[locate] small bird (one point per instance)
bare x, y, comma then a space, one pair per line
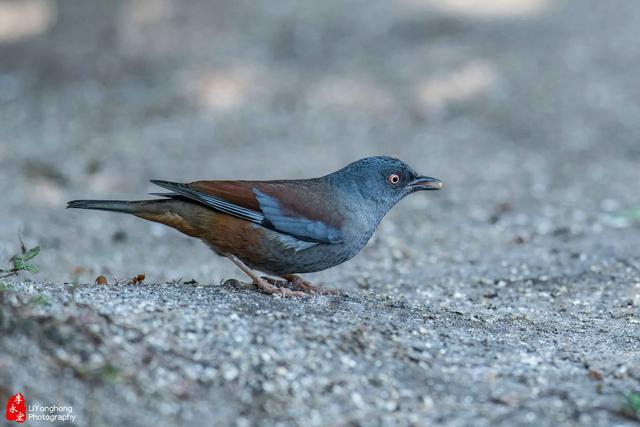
283, 227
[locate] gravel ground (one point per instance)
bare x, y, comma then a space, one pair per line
510, 297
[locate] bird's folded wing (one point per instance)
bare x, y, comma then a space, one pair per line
295, 208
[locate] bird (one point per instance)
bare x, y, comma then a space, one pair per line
285, 227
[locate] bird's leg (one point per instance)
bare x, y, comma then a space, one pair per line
306, 286
293, 281
261, 283
279, 283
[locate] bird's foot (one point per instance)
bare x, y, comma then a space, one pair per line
296, 287
272, 287
263, 284
305, 286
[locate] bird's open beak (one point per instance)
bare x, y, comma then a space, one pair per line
425, 183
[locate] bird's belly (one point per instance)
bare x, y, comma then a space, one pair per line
316, 258
272, 252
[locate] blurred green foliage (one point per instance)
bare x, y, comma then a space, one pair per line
22, 262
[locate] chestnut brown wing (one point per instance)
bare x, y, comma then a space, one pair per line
289, 207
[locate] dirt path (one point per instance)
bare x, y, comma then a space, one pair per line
511, 295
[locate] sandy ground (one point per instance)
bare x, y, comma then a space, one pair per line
510, 297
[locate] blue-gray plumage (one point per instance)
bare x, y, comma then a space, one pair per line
283, 227
302, 228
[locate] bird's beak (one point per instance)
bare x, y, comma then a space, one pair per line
425, 183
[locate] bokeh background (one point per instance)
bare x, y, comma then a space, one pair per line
530, 105
528, 110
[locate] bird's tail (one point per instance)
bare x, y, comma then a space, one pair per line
106, 205
189, 218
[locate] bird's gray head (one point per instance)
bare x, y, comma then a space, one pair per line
382, 180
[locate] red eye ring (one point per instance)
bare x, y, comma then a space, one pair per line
394, 179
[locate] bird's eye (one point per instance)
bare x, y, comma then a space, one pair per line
393, 179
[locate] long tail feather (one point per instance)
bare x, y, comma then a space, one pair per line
177, 212
104, 205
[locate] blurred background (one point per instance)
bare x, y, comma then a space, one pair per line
527, 110
512, 294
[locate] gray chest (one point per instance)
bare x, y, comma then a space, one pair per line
285, 254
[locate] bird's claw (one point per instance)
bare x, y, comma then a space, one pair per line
298, 284
266, 285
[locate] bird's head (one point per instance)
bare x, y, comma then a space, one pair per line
383, 180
